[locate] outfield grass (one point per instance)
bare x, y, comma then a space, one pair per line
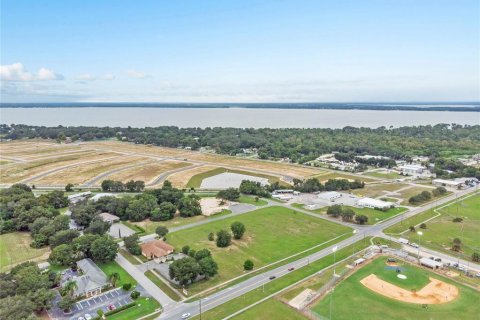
196, 180
272, 287
288, 232
111, 267
350, 297
144, 306
166, 289
441, 231
251, 200
15, 248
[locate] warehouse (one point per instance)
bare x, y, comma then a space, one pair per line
374, 204
330, 196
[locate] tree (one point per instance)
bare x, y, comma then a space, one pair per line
83, 213
201, 254
224, 238
104, 249
238, 229
361, 219
63, 236
98, 226
165, 211
66, 303
130, 186
135, 294
457, 245
248, 264
190, 206
348, 214
208, 267
211, 236
84, 244
184, 270
69, 187
56, 199
113, 278
41, 298
131, 244
161, 231
141, 208
423, 226
411, 228
476, 257
231, 194
127, 286
16, 307
335, 210
63, 255
70, 287
185, 249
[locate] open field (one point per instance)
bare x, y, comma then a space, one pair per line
441, 231
261, 245
196, 180
350, 294
15, 248
326, 175
16, 172
83, 173
147, 172
384, 174
375, 216
377, 190
407, 193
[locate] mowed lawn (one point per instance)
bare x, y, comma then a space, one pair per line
271, 234
350, 298
111, 267
375, 216
442, 230
15, 248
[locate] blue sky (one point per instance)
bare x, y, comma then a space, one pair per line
240, 51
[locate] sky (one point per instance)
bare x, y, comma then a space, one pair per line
240, 51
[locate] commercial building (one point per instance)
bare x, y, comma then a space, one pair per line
374, 203
412, 169
447, 183
92, 281
330, 195
157, 250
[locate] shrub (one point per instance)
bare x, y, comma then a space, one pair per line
135, 294
224, 239
127, 286
423, 226
411, 228
248, 264
185, 249
476, 257
361, 219
211, 236
457, 219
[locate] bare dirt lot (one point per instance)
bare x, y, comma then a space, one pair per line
435, 292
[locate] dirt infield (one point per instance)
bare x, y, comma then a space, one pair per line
435, 292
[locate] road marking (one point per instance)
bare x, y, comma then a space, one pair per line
79, 306
88, 302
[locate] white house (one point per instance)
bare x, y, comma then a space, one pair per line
412, 169
330, 195
374, 203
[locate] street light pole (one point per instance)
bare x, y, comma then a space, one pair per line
200, 305
418, 252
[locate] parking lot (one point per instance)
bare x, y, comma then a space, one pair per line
116, 297
313, 201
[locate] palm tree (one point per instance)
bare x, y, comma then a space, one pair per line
113, 278
70, 287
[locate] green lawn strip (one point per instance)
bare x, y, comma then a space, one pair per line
288, 232
166, 289
375, 216
276, 285
270, 309
196, 180
111, 267
350, 297
251, 200
131, 258
144, 306
273, 266
138, 230
15, 248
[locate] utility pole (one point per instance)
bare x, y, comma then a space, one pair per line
200, 306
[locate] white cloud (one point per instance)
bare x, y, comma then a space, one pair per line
107, 77
17, 72
86, 77
137, 74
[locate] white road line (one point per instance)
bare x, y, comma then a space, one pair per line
79, 306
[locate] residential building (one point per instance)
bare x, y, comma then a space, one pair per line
157, 250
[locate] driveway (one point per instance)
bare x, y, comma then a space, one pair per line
119, 230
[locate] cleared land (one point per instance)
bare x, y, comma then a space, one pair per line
15, 248
378, 189
441, 231
147, 172
351, 297
288, 232
326, 175
83, 173
196, 180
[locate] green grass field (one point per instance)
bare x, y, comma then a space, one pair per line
442, 230
385, 175
196, 180
251, 200
111, 267
350, 297
152, 275
288, 232
375, 216
15, 248
144, 306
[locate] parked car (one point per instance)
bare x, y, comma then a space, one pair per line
88, 316
291, 269
81, 318
438, 260
112, 307
432, 258
413, 244
272, 277
477, 275
186, 315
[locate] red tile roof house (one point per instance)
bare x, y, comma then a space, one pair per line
157, 249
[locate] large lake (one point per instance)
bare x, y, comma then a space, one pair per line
229, 117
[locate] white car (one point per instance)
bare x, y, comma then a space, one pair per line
88, 316
81, 318
186, 315
413, 244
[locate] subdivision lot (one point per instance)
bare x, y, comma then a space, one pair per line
288, 232
15, 248
350, 294
147, 172
84, 172
441, 230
